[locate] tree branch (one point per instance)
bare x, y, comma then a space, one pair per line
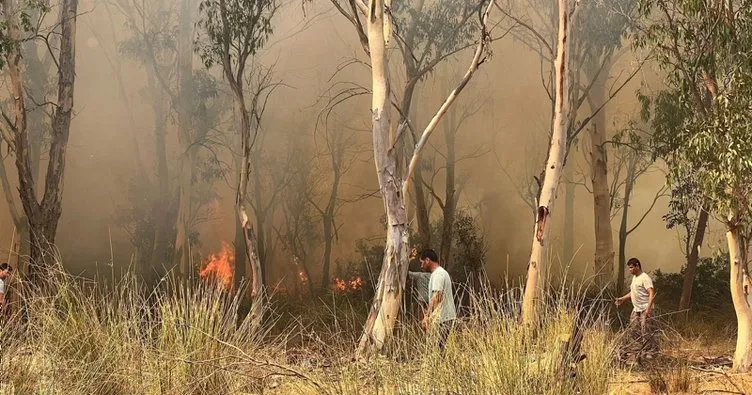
474, 64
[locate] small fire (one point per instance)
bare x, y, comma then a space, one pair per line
301, 274
351, 285
220, 267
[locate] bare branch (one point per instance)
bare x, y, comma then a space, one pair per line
532, 30
659, 194
475, 63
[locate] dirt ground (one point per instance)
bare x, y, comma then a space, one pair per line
683, 367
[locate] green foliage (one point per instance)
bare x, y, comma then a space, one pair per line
439, 28
603, 25
30, 15
234, 30
703, 139
469, 248
710, 289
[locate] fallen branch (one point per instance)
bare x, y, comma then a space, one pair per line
724, 374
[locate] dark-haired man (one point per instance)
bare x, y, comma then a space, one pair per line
440, 313
642, 295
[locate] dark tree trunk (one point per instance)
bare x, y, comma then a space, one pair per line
692, 259
623, 232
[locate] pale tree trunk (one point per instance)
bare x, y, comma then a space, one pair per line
185, 76
256, 290
536, 273
391, 285
740, 288
386, 303
252, 262
692, 259
604, 239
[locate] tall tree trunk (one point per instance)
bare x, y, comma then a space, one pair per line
623, 232
570, 189
185, 141
450, 200
240, 271
253, 262
385, 307
421, 211
536, 273
328, 239
604, 239
337, 150
162, 206
421, 203
261, 213
693, 258
740, 289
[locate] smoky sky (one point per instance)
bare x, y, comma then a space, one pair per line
505, 142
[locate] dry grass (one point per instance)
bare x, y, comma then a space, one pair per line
186, 340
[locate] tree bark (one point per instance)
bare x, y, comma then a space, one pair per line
43, 217
692, 259
740, 288
240, 271
337, 151
623, 232
261, 213
390, 287
162, 206
253, 262
536, 273
185, 141
328, 239
569, 199
604, 239
421, 211
450, 200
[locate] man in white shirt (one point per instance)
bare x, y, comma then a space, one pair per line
642, 295
441, 312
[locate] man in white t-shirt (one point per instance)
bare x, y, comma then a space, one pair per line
441, 312
642, 295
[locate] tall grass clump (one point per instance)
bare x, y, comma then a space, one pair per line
82, 337
79, 337
491, 352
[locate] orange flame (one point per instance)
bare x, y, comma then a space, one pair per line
220, 267
351, 285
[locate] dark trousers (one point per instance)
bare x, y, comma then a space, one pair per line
445, 328
641, 332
